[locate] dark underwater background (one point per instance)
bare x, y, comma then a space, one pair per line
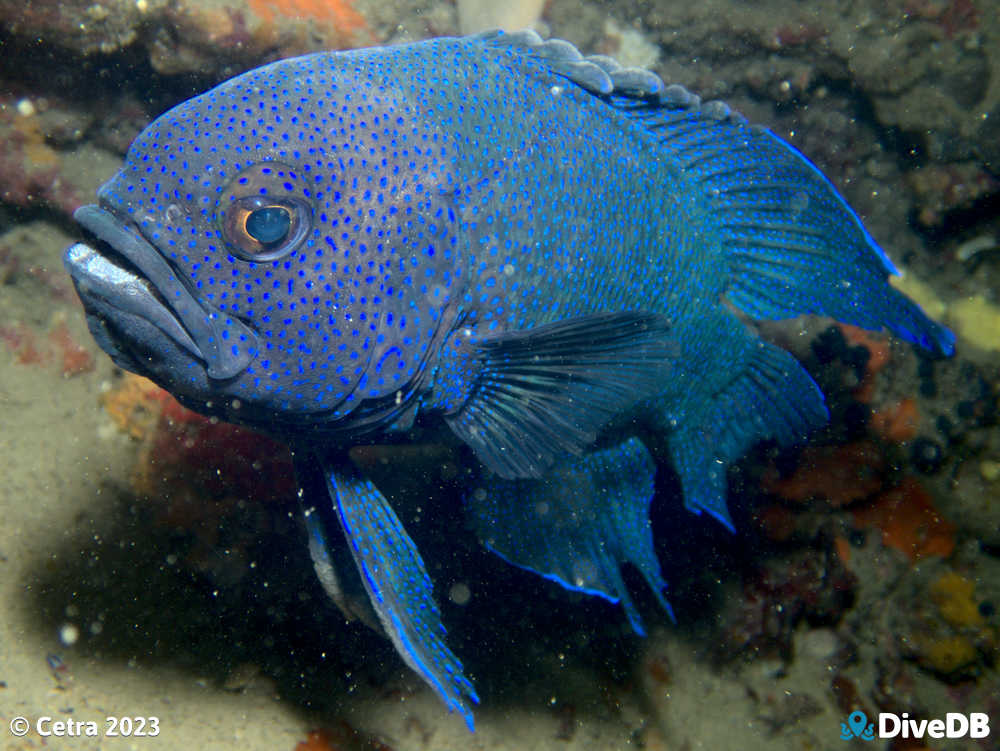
152, 562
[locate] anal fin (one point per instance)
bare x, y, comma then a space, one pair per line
578, 524
769, 396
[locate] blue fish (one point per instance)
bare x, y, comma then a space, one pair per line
537, 249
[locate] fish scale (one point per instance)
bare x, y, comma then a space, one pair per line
505, 237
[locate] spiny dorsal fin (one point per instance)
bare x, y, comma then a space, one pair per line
606, 77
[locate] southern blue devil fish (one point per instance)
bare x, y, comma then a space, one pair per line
495, 232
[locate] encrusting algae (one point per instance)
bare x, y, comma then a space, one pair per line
958, 640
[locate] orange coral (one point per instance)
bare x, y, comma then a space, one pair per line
199, 473
340, 737
878, 347
317, 740
337, 18
877, 344
840, 474
909, 522
843, 548
897, 422
194, 455
135, 405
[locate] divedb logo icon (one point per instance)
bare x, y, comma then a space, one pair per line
857, 726
954, 725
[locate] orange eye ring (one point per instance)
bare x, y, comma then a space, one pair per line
249, 226
264, 212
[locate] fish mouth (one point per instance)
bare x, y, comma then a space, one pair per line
125, 274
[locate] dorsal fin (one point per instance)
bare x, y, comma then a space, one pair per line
606, 77
781, 233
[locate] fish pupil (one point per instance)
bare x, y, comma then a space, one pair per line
269, 225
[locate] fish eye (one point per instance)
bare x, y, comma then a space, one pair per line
269, 225
263, 214
258, 228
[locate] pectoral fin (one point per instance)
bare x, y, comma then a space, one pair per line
545, 392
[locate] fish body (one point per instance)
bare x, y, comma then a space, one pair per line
499, 233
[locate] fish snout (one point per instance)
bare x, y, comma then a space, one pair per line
130, 275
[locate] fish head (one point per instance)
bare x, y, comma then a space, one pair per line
286, 241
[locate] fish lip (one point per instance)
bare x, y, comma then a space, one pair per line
98, 275
207, 332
